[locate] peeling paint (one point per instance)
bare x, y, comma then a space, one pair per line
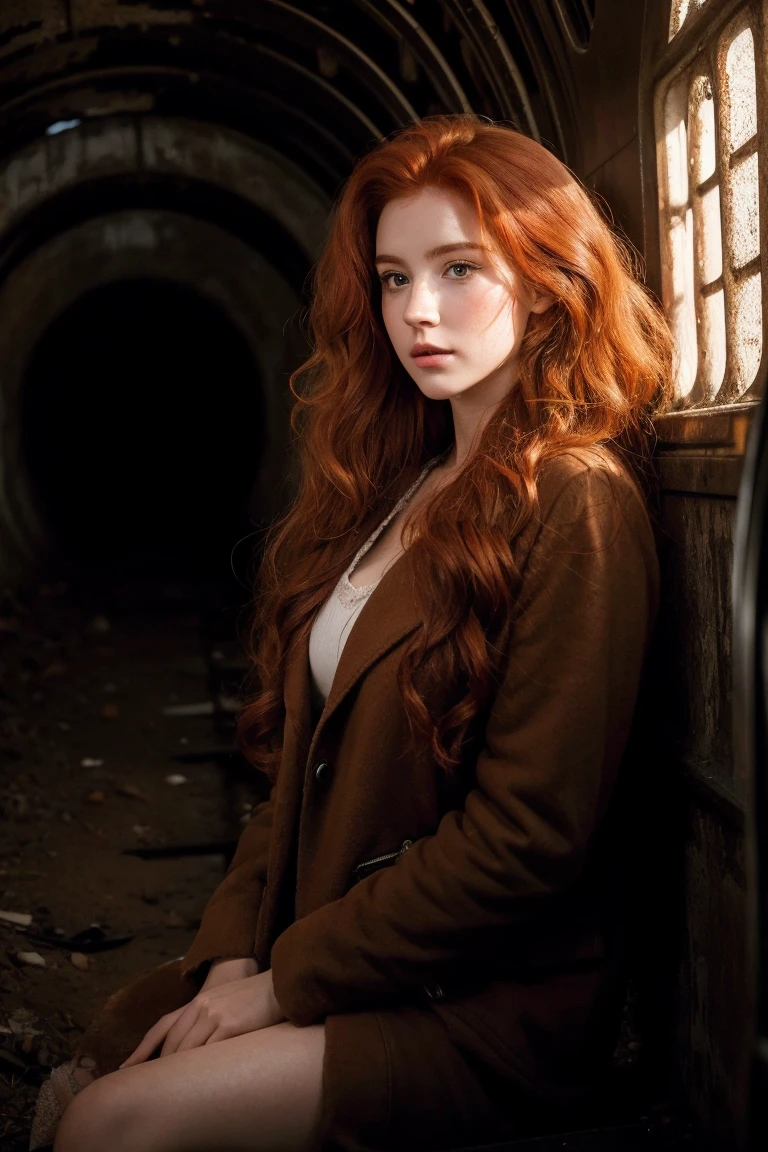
114, 103
89, 14
19, 33
23, 75
25, 24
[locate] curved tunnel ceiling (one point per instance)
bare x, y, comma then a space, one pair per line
319, 81
224, 127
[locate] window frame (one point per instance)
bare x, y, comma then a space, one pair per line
706, 440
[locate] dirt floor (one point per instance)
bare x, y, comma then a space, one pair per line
90, 769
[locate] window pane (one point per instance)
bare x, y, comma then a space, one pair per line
748, 330
681, 306
740, 90
702, 118
711, 246
744, 222
713, 344
677, 147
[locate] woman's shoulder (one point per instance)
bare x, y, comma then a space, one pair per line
591, 523
590, 502
582, 479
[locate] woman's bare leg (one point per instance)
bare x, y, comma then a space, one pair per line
259, 1092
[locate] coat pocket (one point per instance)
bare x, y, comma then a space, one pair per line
366, 867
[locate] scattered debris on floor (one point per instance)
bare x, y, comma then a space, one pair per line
83, 910
34, 959
23, 919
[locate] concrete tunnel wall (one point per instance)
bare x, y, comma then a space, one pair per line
188, 129
108, 247
246, 117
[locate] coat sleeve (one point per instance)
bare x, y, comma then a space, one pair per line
551, 751
228, 926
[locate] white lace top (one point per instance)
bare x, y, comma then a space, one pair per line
334, 621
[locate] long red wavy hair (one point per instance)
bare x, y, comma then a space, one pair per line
594, 368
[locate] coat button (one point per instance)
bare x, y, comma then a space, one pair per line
322, 771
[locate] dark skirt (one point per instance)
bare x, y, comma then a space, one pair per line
501, 1064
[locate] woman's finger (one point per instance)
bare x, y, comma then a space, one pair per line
194, 1011
146, 1046
198, 1035
152, 1038
179, 1028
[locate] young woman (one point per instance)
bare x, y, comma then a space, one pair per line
417, 943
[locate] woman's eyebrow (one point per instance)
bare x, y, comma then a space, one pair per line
461, 246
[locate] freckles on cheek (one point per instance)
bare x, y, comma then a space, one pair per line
488, 302
489, 315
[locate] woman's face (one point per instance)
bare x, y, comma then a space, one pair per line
442, 290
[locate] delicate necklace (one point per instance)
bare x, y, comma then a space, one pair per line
347, 593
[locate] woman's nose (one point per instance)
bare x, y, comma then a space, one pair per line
422, 307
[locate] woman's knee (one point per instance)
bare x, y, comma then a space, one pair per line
267, 1089
97, 1118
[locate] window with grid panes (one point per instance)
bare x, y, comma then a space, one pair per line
707, 112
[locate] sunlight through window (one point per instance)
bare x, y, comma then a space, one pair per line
709, 192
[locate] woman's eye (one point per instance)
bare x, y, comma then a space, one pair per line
462, 269
388, 279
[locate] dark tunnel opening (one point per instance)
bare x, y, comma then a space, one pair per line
142, 423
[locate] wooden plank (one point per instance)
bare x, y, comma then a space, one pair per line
700, 474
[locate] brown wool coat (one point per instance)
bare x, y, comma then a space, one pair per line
499, 914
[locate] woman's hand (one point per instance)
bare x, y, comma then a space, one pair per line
229, 968
216, 1013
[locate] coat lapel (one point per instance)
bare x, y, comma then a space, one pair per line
387, 617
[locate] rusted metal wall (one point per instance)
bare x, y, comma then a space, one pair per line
711, 999
698, 944
691, 944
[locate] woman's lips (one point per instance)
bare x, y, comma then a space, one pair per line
432, 358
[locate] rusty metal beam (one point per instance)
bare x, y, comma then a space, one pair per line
400, 24
295, 24
545, 47
483, 34
318, 93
